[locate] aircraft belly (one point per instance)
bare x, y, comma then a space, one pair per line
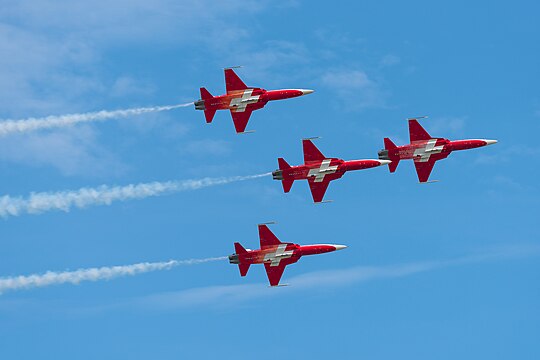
324, 169
423, 153
275, 257
239, 104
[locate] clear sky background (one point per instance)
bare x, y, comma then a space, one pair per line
440, 271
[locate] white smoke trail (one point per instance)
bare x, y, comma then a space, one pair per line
92, 274
104, 195
32, 124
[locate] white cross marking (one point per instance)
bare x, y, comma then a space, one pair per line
423, 154
280, 253
240, 104
324, 170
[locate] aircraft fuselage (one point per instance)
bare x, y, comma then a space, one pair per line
280, 252
256, 98
424, 149
319, 170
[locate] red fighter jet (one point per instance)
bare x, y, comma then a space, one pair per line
318, 170
425, 150
241, 100
274, 254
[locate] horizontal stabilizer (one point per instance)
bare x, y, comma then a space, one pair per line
287, 184
282, 164
239, 249
209, 115
203, 105
389, 144
205, 94
389, 153
243, 268
393, 165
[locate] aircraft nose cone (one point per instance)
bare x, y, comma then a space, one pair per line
384, 162
339, 247
490, 142
306, 91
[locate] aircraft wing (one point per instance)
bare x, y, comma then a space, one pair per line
267, 237
318, 188
311, 152
423, 169
240, 119
275, 271
233, 82
417, 132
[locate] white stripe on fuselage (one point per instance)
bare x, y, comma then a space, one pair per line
240, 104
322, 171
276, 256
423, 154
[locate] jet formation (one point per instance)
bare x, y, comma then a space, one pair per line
241, 100
275, 255
319, 170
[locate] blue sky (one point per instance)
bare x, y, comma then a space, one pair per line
443, 271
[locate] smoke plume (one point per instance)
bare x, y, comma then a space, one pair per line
92, 274
48, 122
41, 202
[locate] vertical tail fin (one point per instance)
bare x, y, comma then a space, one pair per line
243, 267
287, 183
208, 112
388, 147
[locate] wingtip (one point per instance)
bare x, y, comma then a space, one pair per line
429, 182
233, 67
323, 202
312, 138
418, 117
268, 223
